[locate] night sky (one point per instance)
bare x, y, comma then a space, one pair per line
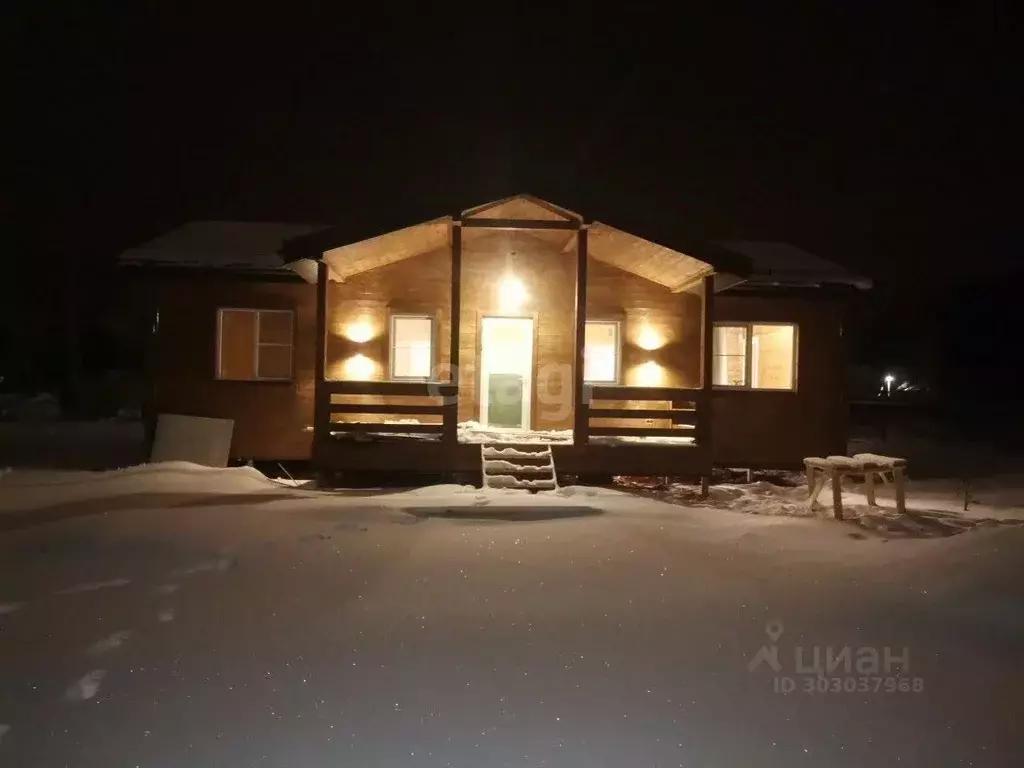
878, 139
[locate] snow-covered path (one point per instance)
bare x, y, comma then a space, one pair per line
235, 623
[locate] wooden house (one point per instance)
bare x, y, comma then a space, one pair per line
438, 347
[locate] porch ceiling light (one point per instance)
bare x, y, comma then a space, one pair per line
511, 293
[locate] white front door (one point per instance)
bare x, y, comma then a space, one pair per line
506, 371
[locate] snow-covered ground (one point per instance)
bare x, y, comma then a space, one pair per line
176, 615
935, 507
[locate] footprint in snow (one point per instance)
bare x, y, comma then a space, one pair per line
167, 614
110, 642
6, 608
87, 687
91, 586
167, 589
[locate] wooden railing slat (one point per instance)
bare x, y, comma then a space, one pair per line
689, 408
407, 408
641, 432
393, 388
447, 409
398, 429
624, 392
676, 416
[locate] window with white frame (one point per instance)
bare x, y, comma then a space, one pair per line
755, 355
412, 346
601, 352
254, 344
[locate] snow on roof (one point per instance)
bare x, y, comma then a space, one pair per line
240, 245
776, 263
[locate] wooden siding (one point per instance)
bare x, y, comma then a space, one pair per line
778, 429
750, 428
271, 417
359, 309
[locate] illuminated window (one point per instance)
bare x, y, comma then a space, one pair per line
755, 355
254, 344
412, 346
730, 364
601, 352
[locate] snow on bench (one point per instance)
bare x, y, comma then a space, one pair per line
835, 468
858, 462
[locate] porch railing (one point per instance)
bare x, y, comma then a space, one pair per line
687, 411
350, 397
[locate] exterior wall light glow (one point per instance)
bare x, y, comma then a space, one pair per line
359, 368
511, 293
360, 331
649, 338
649, 374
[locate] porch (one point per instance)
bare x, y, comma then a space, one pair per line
653, 419
401, 435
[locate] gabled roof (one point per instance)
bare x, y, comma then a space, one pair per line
258, 247
781, 265
521, 206
348, 251
230, 245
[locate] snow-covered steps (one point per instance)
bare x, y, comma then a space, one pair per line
502, 465
513, 482
530, 468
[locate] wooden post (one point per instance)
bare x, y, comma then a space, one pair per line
456, 301
707, 332
321, 396
901, 498
705, 413
869, 487
451, 409
581, 418
837, 493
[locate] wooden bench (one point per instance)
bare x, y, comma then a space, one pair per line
835, 468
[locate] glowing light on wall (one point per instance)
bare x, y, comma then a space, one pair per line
360, 330
511, 293
359, 368
649, 338
650, 374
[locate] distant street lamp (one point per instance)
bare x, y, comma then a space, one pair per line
889, 379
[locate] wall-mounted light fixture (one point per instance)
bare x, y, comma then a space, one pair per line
649, 374
360, 330
649, 338
359, 368
512, 293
